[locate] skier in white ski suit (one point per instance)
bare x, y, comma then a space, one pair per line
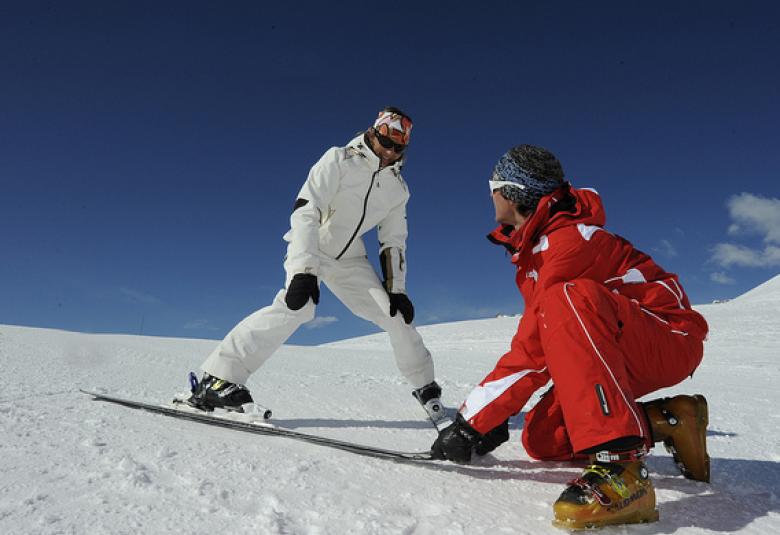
349, 191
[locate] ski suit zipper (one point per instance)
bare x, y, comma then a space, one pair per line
362, 217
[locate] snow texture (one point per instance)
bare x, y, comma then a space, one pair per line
70, 465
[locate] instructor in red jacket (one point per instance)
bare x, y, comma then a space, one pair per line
605, 325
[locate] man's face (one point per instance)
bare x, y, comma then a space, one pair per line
506, 213
387, 156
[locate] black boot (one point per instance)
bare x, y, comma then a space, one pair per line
429, 397
215, 393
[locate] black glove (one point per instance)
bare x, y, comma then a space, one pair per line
456, 442
302, 287
400, 303
493, 438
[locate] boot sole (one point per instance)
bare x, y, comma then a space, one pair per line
639, 517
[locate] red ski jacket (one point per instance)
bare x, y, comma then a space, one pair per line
564, 242
568, 245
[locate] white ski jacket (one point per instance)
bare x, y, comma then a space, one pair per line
345, 196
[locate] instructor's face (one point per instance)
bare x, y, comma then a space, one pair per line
506, 214
387, 156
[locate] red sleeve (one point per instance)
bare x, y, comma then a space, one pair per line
517, 375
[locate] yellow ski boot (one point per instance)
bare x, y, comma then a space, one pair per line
607, 493
681, 424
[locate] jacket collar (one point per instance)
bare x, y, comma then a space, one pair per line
359, 146
587, 208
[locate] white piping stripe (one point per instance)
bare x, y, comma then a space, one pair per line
659, 318
483, 395
593, 345
656, 316
679, 290
679, 302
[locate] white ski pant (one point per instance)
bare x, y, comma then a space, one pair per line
250, 343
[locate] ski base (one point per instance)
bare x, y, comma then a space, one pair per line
235, 421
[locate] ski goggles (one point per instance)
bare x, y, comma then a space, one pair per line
388, 143
394, 126
498, 184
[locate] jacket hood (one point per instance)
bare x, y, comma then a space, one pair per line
562, 208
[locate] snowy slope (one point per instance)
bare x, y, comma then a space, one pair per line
71, 465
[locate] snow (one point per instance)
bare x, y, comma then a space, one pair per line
72, 465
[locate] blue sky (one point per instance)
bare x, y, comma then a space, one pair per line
150, 152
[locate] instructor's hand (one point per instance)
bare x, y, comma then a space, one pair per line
302, 287
401, 303
456, 442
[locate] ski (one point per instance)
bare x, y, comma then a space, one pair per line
263, 428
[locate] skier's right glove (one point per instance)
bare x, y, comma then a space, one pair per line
302, 287
493, 438
456, 442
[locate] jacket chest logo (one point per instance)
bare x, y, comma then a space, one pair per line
543, 244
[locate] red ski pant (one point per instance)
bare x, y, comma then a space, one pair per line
602, 352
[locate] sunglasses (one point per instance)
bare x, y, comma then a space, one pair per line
498, 184
388, 143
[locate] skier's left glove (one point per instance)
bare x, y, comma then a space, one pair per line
401, 303
456, 442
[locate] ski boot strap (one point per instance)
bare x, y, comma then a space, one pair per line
620, 456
